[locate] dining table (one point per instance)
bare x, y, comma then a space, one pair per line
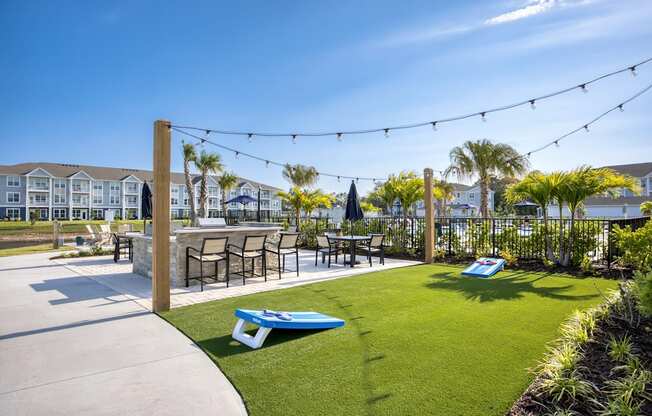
352, 240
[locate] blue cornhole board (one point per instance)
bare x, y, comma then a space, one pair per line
484, 267
298, 320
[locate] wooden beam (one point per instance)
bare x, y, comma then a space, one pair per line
161, 218
430, 217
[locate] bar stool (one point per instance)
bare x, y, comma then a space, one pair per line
213, 250
287, 245
252, 248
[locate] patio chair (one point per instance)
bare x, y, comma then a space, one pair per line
122, 246
375, 246
213, 250
105, 234
327, 247
125, 228
252, 248
287, 244
93, 235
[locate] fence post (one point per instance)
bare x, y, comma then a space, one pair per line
429, 233
55, 234
450, 235
609, 254
493, 237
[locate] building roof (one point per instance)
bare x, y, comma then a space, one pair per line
606, 201
634, 169
461, 186
64, 170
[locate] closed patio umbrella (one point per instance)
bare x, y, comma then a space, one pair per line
145, 204
353, 211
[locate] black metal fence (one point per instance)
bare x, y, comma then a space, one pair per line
523, 238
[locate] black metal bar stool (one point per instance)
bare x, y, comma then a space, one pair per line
213, 250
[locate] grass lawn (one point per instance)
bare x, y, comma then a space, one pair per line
39, 248
417, 340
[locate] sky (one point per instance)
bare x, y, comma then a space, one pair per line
83, 81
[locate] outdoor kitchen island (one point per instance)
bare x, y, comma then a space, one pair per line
193, 237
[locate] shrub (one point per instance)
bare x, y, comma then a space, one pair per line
643, 287
508, 257
636, 246
619, 349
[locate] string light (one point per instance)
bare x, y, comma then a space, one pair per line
583, 86
267, 163
533, 105
387, 133
556, 143
484, 117
338, 179
434, 126
294, 139
586, 128
357, 180
237, 155
621, 108
339, 137
250, 137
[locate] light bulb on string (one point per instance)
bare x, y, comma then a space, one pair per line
633, 70
483, 115
357, 180
584, 89
294, 139
586, 128
387, 133
339, 137
533, 104
267, 163
434, 126
621, 108
250, 137
237, 155
556, 143
338, 179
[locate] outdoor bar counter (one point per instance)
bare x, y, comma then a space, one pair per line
193, 237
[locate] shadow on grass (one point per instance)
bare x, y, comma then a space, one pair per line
513, 286
226, 346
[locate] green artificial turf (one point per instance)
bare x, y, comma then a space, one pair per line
417, 340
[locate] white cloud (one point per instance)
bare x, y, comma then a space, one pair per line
534, 8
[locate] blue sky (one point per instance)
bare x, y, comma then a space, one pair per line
82, 82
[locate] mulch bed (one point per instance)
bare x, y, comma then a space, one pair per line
597, 367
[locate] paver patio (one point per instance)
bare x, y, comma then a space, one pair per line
120, 278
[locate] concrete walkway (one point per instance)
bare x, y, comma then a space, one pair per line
72, 346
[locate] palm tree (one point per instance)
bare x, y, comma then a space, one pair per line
206, 164
443, 192
384, 196
584, 182
646, 208
294, 198
485, 159
227, 181
190, 155
407, 187
300, 175
315, 199
540, 189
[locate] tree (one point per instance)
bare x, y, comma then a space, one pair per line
499, 186
443, 192
368, 207
190, 155
382, 196
485, 159
227, 182
300, 176
315, 199
540, 189
206, 164
584, 182
646, 208
294, 199
407, 187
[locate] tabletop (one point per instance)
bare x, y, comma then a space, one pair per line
350, 237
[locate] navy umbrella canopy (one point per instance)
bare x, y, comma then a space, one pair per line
353, 211
242, 199
146, 202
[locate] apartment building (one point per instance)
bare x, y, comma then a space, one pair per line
67, 191
465, 203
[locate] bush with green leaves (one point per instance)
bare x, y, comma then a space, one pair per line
643, 287
636, 246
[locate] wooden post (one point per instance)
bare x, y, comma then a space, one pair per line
55, 234
430, 217
161, 218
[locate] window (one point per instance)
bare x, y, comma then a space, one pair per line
471, 196
13, 213
114, 193
39, 183
457, 195
59, 213
13, 197
79, 199
212, 191
77, 213
114, 187
98, 214
132, 200
98, 193
264, 194
13, 181
38, 199
131, 188
79, 185
59, 191
174, 201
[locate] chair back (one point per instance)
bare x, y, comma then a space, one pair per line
90, 230
288, 240
254, 243
376, 240
322, 241
214, 245
105, 229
